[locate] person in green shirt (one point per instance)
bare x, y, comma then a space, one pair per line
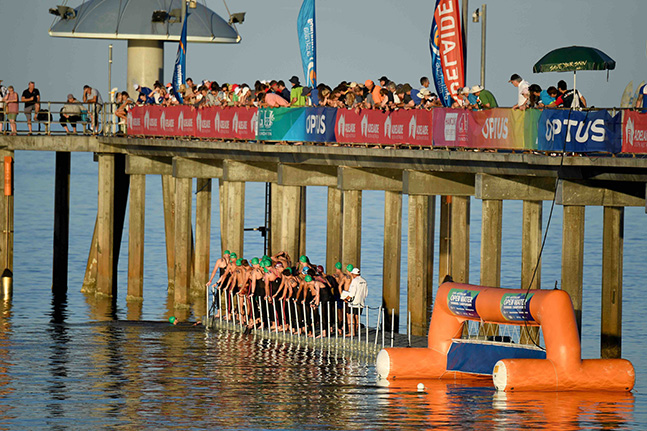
297, 99
485, 98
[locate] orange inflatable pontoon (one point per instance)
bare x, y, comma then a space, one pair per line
513, 367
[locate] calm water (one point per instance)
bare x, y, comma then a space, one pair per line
69, 365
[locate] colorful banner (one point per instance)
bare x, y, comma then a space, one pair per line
376, 127
634, 136
451, 128
446, 45
462, 302
226, 123
306, 31
179, 70
580, 132
503, 128
161, 121
320, 124
515, 307
281, 124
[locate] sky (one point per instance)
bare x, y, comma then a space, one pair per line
356, 40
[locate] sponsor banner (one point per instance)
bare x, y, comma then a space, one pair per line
281, 124
515, 307
135, 121
451, 128
503, 128
320, 124
580, 132
634, 135
446, 45
376, 127
226, 123
306, 31
462, 302
161, 121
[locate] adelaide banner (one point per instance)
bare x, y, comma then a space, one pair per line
634, 136
411, 127
446, 45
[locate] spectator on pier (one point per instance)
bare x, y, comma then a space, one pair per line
568, 98
3, 93
273, 100
296, 94
11, 107
283, 92
124, 104
484, 98
31, 98
373, 91
523, 93
424, 83
144, 92
93, 97
640, 100
71, 113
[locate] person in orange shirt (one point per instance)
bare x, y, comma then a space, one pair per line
374, 90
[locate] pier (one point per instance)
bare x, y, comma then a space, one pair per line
423, 176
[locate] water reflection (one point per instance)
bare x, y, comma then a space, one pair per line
6, 389
58, 357
476, 405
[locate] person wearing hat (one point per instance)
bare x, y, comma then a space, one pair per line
461, 100
70, 113
484, 98
144, 93
296, 93
357, 293
523, 91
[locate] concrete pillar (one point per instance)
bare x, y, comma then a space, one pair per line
275, 226
491, 229
136, 238
61, 222
420, 262
202, 235
90, 278
612, 245
234, 212
445, 246
105, 225
351, 231
168, 197
391, 257
530, 265
111, 211
531, 238
573, 257
288, 216
333, 228
223, 219
145, 63
183, 241
460, 239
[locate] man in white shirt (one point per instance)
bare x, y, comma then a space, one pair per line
523, 93
357, 293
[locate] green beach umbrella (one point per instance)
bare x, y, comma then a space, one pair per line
572, 59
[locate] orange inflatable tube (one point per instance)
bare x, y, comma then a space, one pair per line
562, 369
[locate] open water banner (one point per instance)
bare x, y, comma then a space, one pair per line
281, 124
579, 131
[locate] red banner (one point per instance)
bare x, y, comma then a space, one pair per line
215, 122
376, 127
634, 132
451, 128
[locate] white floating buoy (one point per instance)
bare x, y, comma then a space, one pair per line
421, 387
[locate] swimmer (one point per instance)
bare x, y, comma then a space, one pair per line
221, 264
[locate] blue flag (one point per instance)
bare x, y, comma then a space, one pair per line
180, 63
308, 41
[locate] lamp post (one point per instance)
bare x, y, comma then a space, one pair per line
480, 15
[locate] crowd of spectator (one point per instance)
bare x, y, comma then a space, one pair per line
300, 298
385, 95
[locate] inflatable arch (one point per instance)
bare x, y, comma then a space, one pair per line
513, 367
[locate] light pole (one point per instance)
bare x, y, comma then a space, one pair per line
476, 16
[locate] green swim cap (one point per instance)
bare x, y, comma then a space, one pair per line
265, 269
171, 319
349, 267
226, 252
266, 263
338, 265
239, 261
308, 279
255, 261
233, 255
265, 257
289, 270
303, 259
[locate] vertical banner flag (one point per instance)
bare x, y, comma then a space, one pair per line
308, 41
180, 62
446, 45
